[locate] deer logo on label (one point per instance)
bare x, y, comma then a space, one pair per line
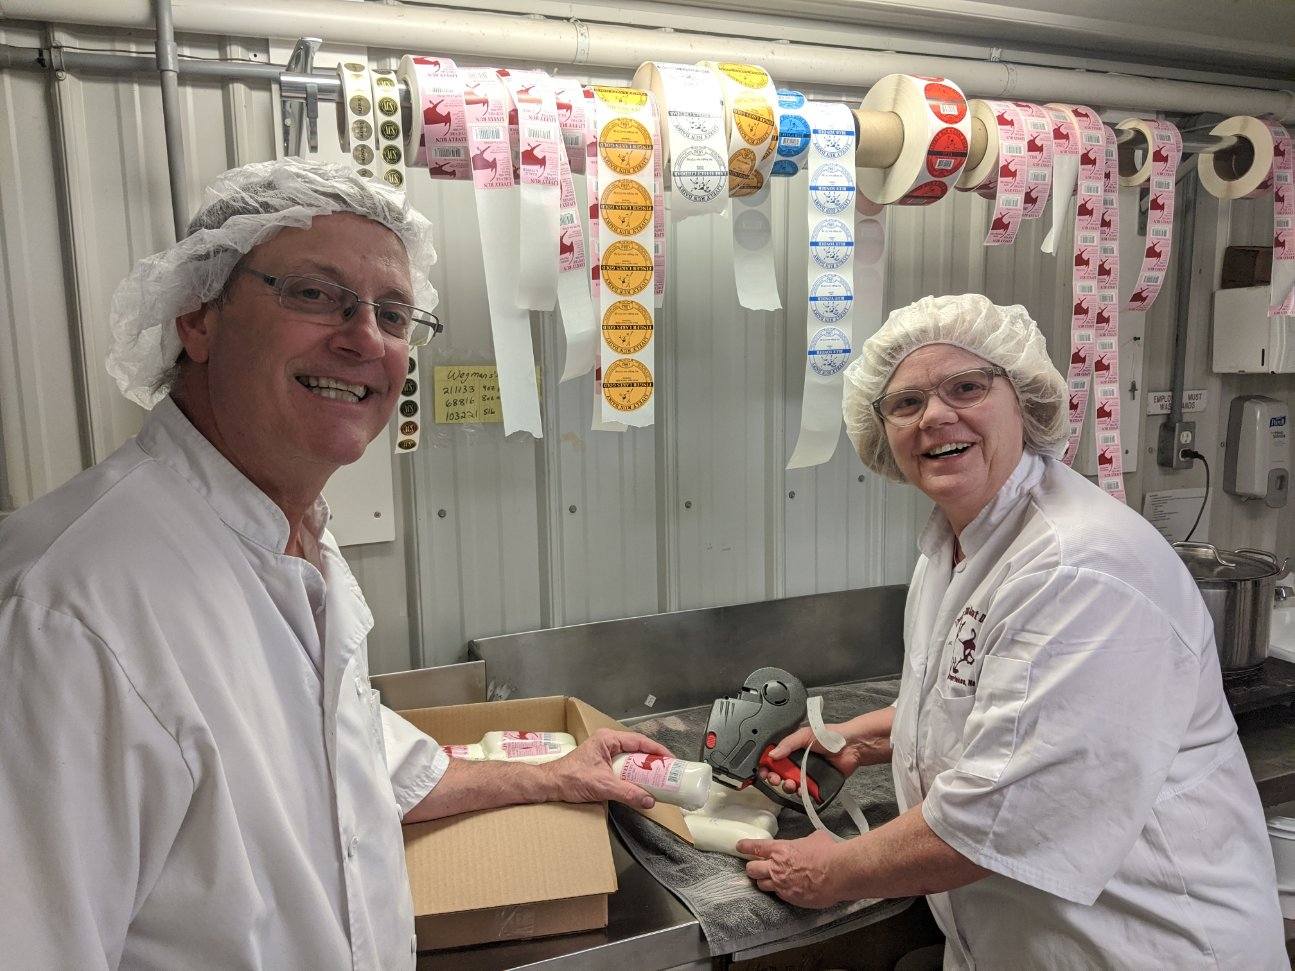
1103, 317
441, 168
1059, 134
1031, 197
961, 647
428, 62
1001, 224
1005, 120
480, 163
1078, 358
1035, 145
1157, 204
1140, 295
566, 245
1106, 458
1074, 398
1081, 308
530, 157
1085, 210
1007, 170
1279, 151
1104, 411
1089, 157
1103, 269
564, 111
1154, 251
1160, 156
1102, 364
434, 117
472, 95
1106, 219
1083, 260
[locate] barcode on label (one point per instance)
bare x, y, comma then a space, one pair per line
1159, 232
1092, 138
448, 152
674, 778
1011, 202
487, 133
535, 133
1038, 175
1013, 148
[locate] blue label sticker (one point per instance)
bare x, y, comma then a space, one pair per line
793, 135
831, 188
829, 351
785, 168
789, 100
830, 298
830, 244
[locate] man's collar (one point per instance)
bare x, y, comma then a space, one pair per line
171, 439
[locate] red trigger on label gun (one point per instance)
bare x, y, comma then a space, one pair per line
787, 769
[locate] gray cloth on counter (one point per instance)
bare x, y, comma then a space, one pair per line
733, 913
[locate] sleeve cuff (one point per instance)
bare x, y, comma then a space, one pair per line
1073, 890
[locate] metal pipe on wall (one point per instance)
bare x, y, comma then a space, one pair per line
490, 35
168, 68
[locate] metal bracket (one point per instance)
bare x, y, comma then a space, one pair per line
305, 113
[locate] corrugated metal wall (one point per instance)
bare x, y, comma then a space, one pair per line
505, 535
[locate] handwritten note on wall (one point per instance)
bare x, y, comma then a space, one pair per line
467, 393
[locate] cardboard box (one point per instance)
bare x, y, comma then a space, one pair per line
520, 871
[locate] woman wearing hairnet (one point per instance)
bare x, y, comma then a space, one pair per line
1071, 786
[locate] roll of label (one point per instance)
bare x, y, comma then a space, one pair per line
1273, 169
407, 419
598, 423
355, 129
658, 206
624, 211
389, 135
1038, 159
436, 93
486, 105
1159, 170
692, 136
574, 303
793, 135
569, 98
1106, 363
1065, 170
830, 275
1001, 175
534, 117
937, 135
751, 114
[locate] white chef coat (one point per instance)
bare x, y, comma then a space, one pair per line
1061, 719
194, 771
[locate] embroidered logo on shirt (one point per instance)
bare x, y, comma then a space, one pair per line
962, 643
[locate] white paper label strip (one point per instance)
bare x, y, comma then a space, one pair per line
1065, 170
436, 92
355, 118
830, 277
751, 112
869, 268
408, 421
569, 98
1282, 300
574, 303
390, 137
486, 104
692, 138
832, 742
625, 210
539, 144
937, 136
658, 205
1038, 159
1164, 151
793, 135
1001, 175
1106, 364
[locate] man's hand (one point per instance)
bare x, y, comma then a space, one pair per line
586, 776
867, 742
801, 871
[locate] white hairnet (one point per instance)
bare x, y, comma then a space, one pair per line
242, 208
1005, 336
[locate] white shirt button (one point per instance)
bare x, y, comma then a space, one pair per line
352, 847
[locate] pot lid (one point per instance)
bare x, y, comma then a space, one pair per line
1206, 562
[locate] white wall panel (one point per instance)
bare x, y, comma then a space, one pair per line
693, 512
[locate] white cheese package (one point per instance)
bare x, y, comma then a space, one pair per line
624, 211
1271, 169
731, 815
830, 277
1158, 171
751, 117
675, 781
937, 137
690, 106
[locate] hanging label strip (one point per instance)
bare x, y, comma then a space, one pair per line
658, 205
1106, 364
693, 142
937, 134
830, 276
1065, 170
1038, 159
355, 117
1001, 175
407, 418
1159, 169
595, 250
576, 308
1089, 207
625, 232
389, 136
533, 123
436, 94
486, 104
751, 114
869, 268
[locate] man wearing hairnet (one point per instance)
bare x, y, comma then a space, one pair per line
1071, 786
194, 771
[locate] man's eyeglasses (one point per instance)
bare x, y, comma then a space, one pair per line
334, 303
962, 390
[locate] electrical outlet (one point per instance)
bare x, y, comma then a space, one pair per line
1174, 437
